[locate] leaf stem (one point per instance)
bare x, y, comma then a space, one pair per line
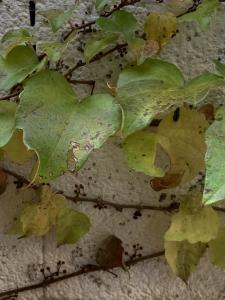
7, 97
80, 63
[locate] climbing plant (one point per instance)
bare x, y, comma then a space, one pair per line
44, 121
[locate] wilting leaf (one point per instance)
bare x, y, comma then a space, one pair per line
97, 44
20, 62
16, 150
151, 88
71, 225
202, 14
160, 27
57, 17
183, 257
110, 253
38, 218
140, 152
54, 121
217, 249
215, 165
7, 121
194, 222
3, 181
182, 136
220, 67
120, 21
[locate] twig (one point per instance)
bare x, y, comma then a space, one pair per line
88, 82
103, 203
7, 97
85, 270
96, 58
122, 4
99, 203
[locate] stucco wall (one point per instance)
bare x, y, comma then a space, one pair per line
107, 175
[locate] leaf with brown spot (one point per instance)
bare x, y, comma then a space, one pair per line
167, 182
110, 253
208, 110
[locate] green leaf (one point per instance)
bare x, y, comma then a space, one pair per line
38, 218
97, 44
20, 62
215, 165
160, 27
54, 50
202, 14
57, 17
54, 121
183, 257
17, 37
7, 121
140, 152
120, 21
217, 249
71, 225
194, 222
220, 67
151, 88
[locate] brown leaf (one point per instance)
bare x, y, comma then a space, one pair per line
3, 181
166, 182
110, 253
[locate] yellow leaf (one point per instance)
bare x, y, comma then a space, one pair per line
16, 150
181, 134
160, 27
183, 257
37, 218
194, 222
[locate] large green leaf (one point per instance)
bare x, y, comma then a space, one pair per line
57, 17
54, 121
151, 88
120, 21
202, 14
98, 43
71, 225
194, 222
183, 257
215, 163
7, 121
18, 64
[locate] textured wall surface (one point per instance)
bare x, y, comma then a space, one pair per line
107, 175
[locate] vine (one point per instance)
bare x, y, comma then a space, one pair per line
152, 104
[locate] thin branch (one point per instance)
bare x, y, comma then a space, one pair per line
122, 4
7, 97
80, 63
84, 270
97, 201
101, 204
